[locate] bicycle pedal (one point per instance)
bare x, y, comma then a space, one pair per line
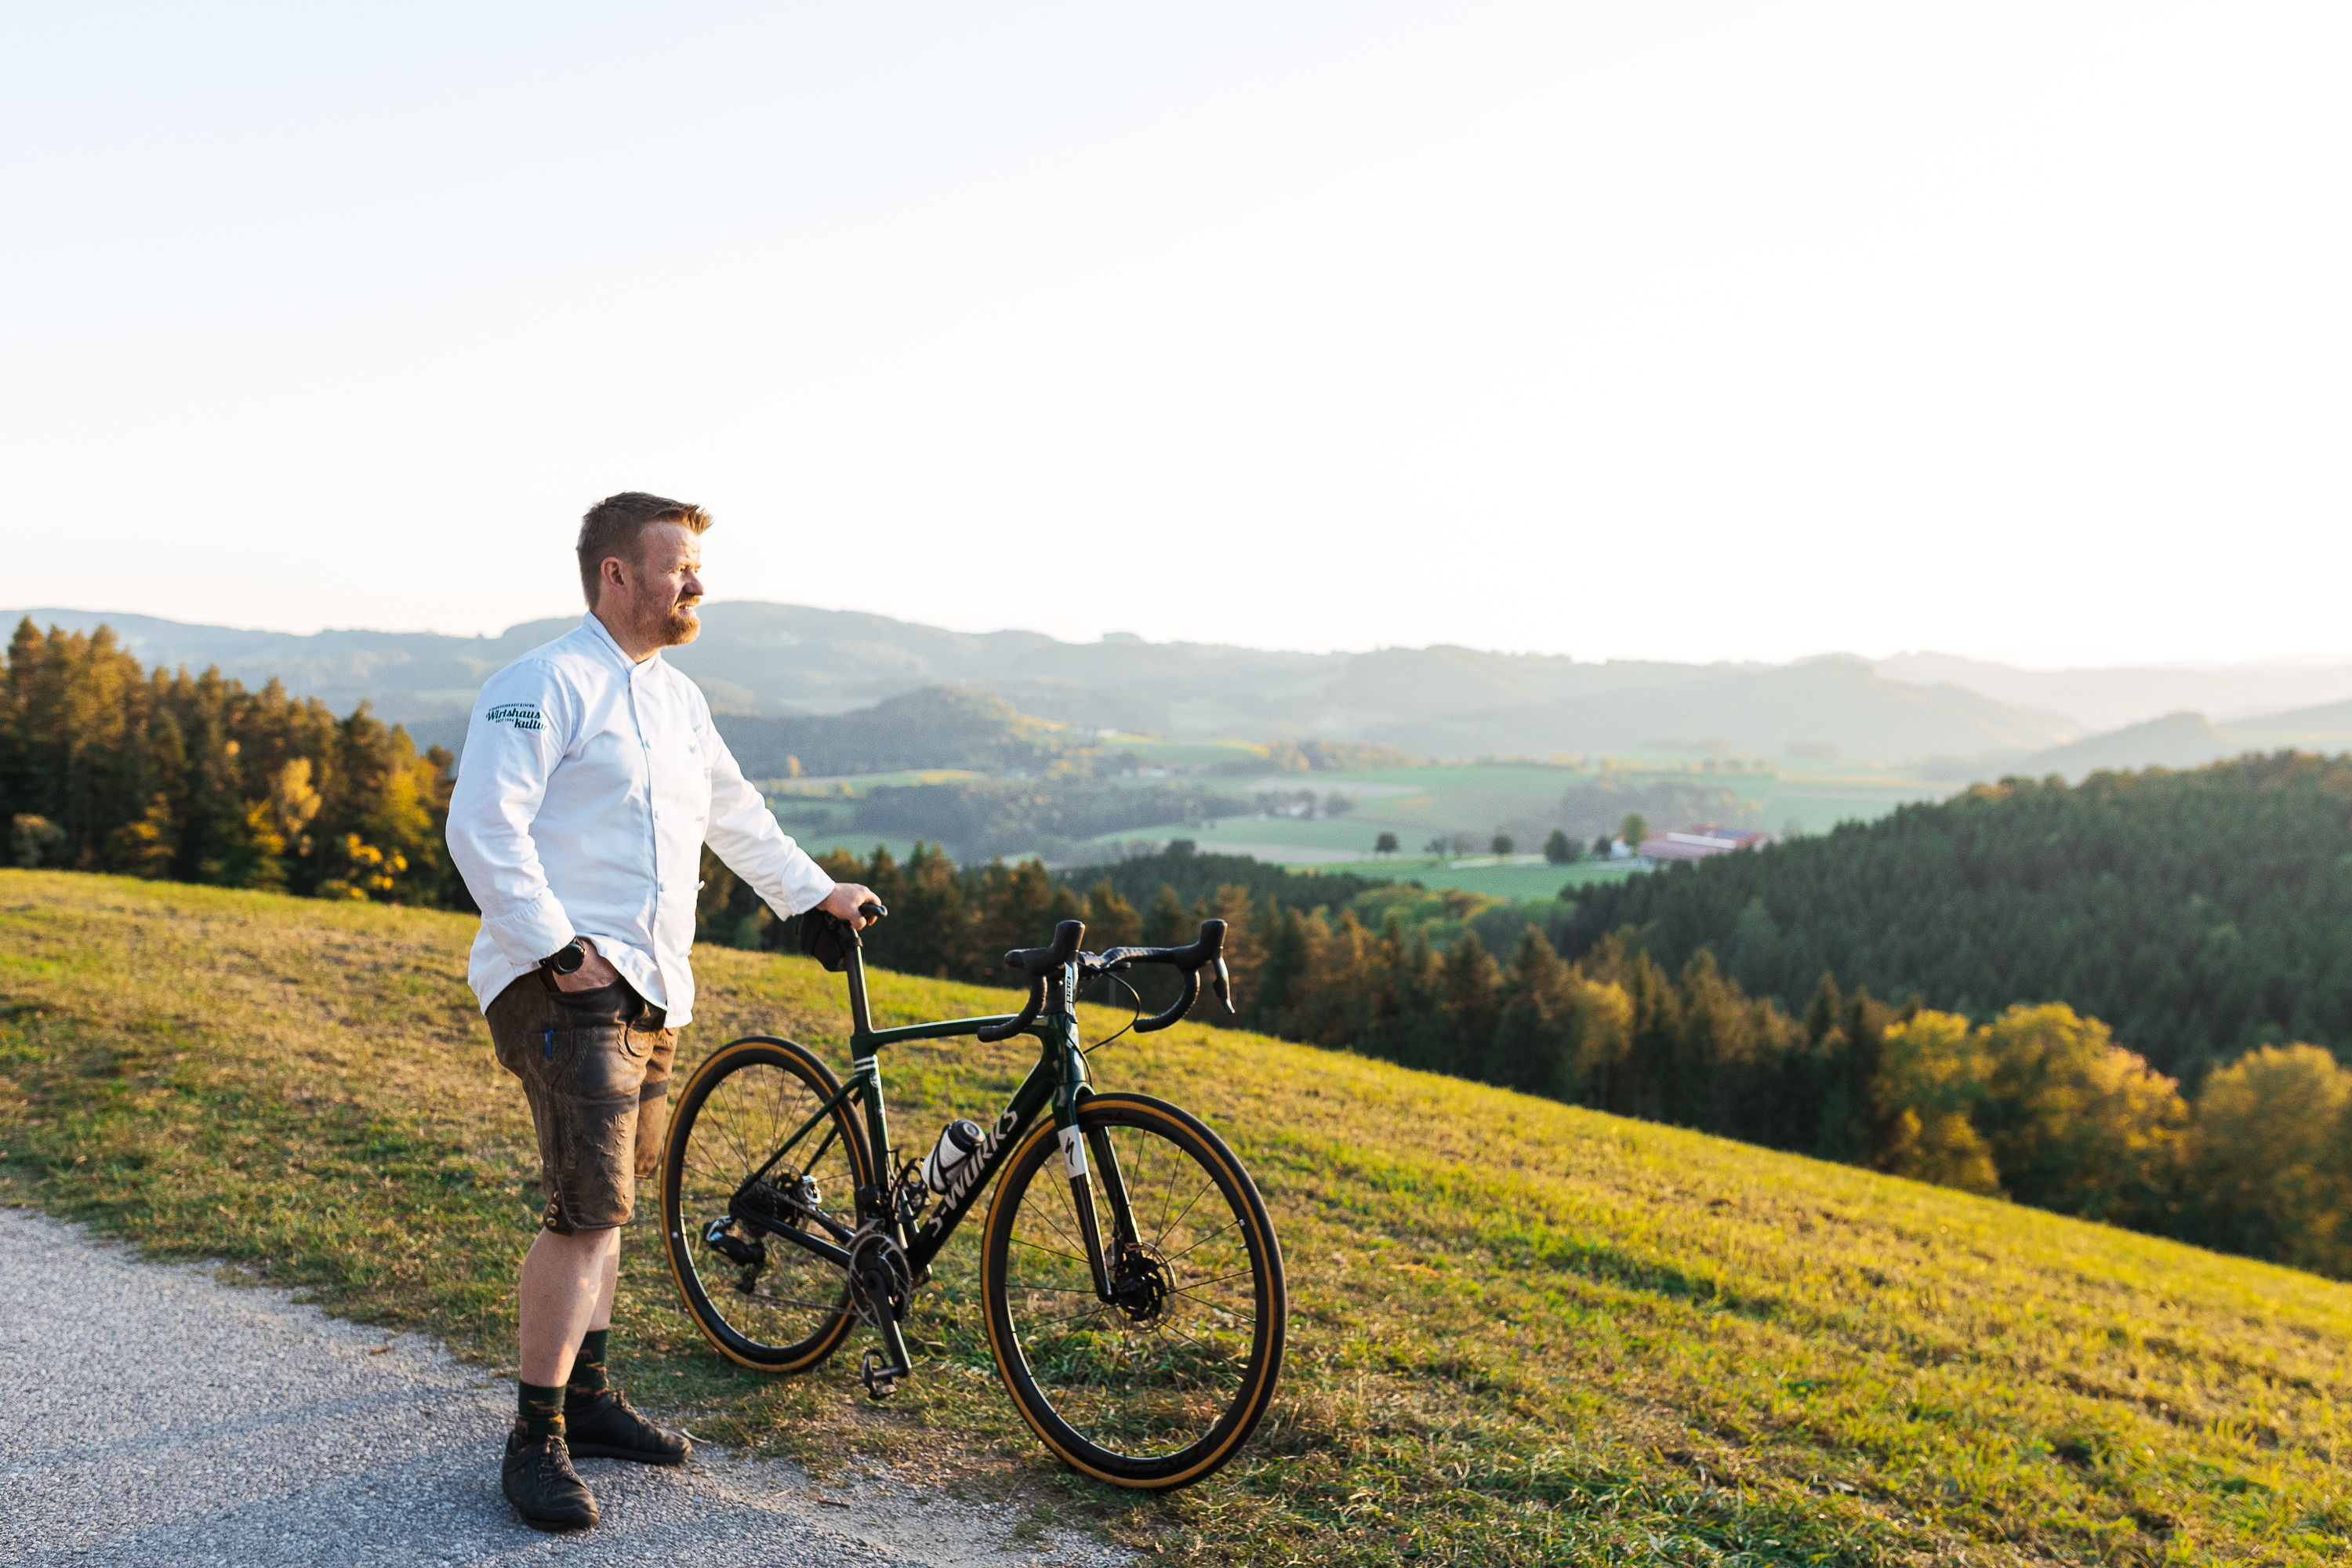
880, 1378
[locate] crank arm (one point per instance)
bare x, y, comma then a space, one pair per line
881, 1370
837, 1257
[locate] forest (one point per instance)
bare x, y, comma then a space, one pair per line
933, 726
105, 766
2201, 913
1634, 1002
983, 818
2039, 1102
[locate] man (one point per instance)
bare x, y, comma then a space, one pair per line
592, 779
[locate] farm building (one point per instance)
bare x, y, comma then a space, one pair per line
1702, 843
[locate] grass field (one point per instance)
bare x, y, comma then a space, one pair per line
1513, 882
1417, 802
1521, 1332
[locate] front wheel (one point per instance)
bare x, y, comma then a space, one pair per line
1159, 1385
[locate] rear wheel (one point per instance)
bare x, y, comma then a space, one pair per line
764, 1303
1159, 1387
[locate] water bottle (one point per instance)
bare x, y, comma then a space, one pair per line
955, 1146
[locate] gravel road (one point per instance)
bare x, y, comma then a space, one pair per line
151, 1413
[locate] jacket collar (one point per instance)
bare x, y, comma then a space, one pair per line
598, 635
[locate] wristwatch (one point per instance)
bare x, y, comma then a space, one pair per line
565, 960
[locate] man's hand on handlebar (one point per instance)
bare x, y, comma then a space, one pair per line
842, 902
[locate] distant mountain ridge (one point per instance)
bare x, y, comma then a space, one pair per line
772, 664
1838, 705
2100, 700
2190, 739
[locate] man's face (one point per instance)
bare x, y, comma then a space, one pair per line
657, 596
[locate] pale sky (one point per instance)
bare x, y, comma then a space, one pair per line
1682, 330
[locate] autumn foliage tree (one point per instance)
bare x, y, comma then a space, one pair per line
107, 766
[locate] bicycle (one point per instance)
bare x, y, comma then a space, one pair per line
1142, 1352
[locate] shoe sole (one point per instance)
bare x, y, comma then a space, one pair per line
638, 1456
559, 1527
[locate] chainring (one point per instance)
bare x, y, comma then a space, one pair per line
881, 1282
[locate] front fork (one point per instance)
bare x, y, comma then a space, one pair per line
1090, 1148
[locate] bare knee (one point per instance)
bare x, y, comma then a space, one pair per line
584, 1250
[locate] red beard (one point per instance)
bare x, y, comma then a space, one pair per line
679, 625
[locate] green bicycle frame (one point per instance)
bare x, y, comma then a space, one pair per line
1057, 1083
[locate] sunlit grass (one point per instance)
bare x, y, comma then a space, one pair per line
1520, 1331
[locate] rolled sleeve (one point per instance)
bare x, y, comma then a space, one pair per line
744, 834
527, 934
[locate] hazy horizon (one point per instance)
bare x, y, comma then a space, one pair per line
2275, 661
1695, 333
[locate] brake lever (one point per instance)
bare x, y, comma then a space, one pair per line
1224, 987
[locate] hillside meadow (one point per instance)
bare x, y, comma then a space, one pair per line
1521, 1332
1528, 800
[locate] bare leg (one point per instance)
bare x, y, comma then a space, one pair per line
566, 1290
602, 1317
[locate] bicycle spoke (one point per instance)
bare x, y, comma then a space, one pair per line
1052, 1252
1154, 1372
1206, 1188
1203, 1284
1091, 1310
1204, 1241
739, 1124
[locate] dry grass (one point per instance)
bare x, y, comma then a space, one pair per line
1521, 1332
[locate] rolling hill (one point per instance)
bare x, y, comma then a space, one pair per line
2189, 740
2110, 698
1521, 1332
779, 662
776, 662
1835, 707
2200, 913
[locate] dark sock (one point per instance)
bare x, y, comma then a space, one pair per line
588, 1366
538, 1412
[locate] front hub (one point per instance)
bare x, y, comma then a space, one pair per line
1141, 1285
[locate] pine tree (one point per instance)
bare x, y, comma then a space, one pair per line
1111, 921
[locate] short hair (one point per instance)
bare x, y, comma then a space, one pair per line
612, 526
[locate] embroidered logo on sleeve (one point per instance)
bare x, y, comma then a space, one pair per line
519, 715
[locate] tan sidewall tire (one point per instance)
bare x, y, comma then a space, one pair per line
1137, 1110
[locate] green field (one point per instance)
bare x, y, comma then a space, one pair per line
1817, 803
1416, 804
1182, 753
1517, 883
1521, 1332
859, 844
784, 790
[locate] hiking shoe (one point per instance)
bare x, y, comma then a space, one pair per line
540, 1481
603, 1426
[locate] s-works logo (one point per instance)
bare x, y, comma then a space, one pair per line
972, 1173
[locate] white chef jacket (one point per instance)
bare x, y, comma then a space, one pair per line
589, 786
